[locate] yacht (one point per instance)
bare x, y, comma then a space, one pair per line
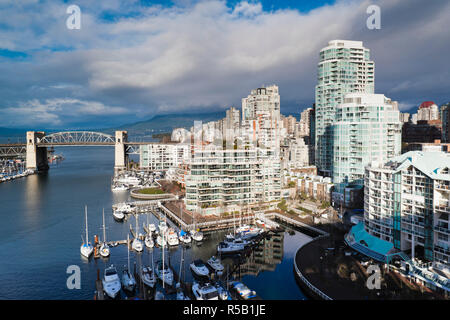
184, 237
148, 276
199, 268
149, 241
162, 227
205, 292
118, 215
164, 273
223, 293
229, 247
229, 238
137, 245
161, 240
104, 249
128, 281
86, 248
151, 227
243, 291
215, 264
247, 232
111, 282
120, 187
197, 235
172, 238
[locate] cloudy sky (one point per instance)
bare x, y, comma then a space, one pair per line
132, 59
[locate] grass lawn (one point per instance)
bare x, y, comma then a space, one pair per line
150, 191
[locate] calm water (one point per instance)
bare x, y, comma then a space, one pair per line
43, 219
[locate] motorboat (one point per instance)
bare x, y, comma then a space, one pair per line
223, 293
161, 240
124, 207
243, 291
111, 282
86, 248
172, 238
149, 241
199, 268
148, 276
215, 264
237, 240
128, 281
137, 245
185, 237
151, 227
164, 273
247, 232
197, 235
120, 187
118, 215
205, 292
229, 247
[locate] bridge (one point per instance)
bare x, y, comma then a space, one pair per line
37, 142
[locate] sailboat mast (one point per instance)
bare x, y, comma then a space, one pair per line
128, 250
85, 213
104, 230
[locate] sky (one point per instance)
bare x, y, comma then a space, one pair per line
132, 59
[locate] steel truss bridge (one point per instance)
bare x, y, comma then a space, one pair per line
69, 138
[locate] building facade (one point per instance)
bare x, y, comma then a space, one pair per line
344, 67
220, 179
163, 156
407, 202
367, 128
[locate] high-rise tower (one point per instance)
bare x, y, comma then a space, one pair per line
344, 67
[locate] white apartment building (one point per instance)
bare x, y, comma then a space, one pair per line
367, 128
221, 179
407, 203
163, 156
344, 67
261, 119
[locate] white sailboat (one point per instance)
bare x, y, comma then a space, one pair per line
86, 248
104, 249
128, 281
137, 243
148, 238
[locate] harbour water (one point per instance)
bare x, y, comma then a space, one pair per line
43, 220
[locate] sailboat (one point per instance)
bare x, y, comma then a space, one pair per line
148, 238
104, 249
163, 271
86, 248
184, 236
148, 275
137, 243
180, 293
128, 281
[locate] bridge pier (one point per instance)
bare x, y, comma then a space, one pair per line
36, 156
120, 159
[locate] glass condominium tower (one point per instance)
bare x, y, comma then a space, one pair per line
344, 67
